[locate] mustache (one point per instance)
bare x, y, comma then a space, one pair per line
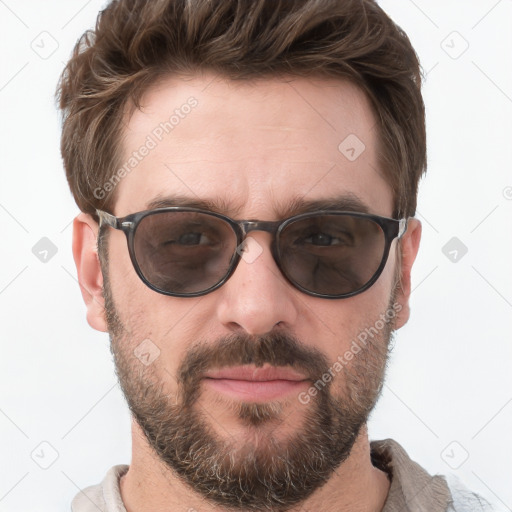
276, 349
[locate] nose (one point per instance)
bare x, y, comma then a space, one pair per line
257, 298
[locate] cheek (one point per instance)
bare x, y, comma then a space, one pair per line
343, 322
155, 326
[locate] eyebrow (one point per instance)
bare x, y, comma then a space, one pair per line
348, 202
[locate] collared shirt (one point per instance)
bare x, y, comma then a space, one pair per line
412, 489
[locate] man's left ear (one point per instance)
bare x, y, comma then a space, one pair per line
409, 245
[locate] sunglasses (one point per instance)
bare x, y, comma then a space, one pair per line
188, 252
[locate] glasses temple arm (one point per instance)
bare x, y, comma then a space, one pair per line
107, 218
402, 227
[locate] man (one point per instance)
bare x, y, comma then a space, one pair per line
262, 159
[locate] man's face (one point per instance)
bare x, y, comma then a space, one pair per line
253, 149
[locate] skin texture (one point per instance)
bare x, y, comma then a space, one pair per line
254, 147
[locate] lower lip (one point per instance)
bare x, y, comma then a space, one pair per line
256, 390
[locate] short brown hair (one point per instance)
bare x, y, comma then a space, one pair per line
137, 42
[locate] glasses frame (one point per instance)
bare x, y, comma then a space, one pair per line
392, 228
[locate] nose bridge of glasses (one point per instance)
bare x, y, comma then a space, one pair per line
258, 225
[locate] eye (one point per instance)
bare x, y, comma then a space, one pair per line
192, 238
322, 239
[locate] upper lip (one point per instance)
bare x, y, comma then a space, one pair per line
252, 373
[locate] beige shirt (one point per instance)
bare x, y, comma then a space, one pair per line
412, 489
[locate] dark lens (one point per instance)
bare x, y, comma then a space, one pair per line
331, 254
184, 252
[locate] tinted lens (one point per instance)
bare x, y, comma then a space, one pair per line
331, 254
184, 252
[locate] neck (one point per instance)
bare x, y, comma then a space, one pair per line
355, 486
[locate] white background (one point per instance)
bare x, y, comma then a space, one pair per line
449, 389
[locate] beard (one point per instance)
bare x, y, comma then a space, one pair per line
262, 471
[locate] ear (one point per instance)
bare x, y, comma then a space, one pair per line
90, 278
409, 245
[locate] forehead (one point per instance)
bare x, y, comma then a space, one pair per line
251, 148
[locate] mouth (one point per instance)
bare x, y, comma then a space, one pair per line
256, 384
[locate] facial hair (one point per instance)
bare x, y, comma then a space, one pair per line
264, 472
